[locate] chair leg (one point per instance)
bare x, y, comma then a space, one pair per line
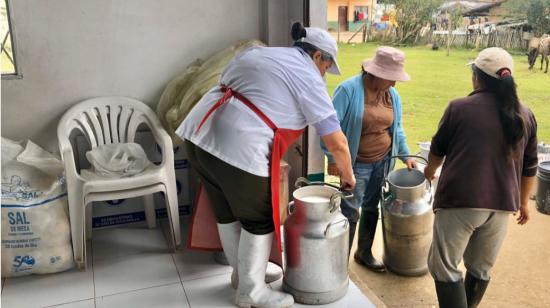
150, 215
76, 215
86, 234
88, 219
171, 197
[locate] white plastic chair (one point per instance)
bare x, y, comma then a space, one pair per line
108, 120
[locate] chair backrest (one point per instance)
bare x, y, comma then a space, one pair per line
105, 120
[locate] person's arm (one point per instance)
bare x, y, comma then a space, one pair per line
527, 185
337, 145
440, 143
403, 149
530, 163
433, 163
326, 127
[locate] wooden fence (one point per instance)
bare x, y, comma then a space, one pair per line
505, 38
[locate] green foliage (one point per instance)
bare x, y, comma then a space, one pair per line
456, 19
411, 16
537, 13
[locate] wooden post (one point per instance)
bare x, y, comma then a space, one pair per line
448, 34
364, 31
338, 37
354, 34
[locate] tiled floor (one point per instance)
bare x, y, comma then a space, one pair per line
132, 267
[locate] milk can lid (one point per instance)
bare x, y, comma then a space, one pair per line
544, 167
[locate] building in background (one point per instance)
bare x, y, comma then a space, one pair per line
477, 13
349, 15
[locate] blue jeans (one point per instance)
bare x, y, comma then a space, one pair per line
366, 194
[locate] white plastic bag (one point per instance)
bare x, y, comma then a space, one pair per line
36, 237
118, 159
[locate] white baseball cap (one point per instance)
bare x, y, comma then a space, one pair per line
325, 42
493, 60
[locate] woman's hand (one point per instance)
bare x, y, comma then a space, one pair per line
523, 214
527, 184
337, 144
429, 172
411, 163
347, 182
333, 169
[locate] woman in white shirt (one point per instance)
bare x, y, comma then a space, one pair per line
237, 134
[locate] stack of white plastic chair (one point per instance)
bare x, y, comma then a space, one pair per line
111, 120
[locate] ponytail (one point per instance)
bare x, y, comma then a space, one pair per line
511, 119
298, 32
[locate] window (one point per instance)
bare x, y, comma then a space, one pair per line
9, 65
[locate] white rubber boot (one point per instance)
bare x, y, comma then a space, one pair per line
272, 273
230, 235
253, 255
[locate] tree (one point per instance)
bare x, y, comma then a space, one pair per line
536, 12
411, 16
455, 20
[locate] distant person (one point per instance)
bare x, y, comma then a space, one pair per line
369, 110
489, 143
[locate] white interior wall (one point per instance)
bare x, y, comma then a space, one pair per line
316, 158
70, 50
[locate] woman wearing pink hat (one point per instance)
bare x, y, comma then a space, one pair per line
489, 142
369, 110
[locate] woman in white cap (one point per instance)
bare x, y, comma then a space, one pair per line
489, 143
237, 134
369, 111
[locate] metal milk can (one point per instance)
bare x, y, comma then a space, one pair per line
543, 188
407, 221
316, 244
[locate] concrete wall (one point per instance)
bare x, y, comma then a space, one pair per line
71, 50
318, 13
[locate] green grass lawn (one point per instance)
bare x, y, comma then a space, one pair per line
436, 79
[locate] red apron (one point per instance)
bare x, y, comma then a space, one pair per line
204, 231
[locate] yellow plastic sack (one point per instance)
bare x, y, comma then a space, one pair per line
184, 91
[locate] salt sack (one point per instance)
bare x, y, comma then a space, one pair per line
35, 226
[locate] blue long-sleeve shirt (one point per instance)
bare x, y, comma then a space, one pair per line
349, 100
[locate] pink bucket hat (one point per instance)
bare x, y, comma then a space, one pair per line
388, 63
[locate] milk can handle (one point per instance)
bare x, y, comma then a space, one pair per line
330, 224
290, 208
422, 158
384, 186
431, 194
344, 194
409, 156
333, 204
301, 182
399, 156
386, 171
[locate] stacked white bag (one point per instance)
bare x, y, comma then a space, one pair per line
36, 237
